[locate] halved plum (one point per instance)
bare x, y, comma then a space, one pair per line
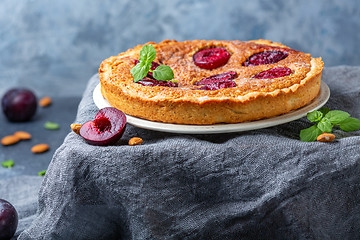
274, 73
218, 81
218, 85
266, 57
153, 82
211, 58
106, 129
218, 77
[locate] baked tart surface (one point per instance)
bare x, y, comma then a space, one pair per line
214, 82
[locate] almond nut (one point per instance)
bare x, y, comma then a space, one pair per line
325, 137
45, 101
76, 128
22, 135
135, 141
9, 140
40, 148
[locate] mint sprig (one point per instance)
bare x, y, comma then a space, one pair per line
140, 70
325, 120
350, 124
163, 73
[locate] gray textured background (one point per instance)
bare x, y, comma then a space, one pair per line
54, 47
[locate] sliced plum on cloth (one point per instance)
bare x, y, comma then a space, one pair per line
106, 129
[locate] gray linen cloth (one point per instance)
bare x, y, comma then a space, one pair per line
261, 184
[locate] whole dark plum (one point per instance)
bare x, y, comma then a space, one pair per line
8, 220
19, 104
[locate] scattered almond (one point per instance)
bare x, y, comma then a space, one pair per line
9, 140
45, 101
76, 128
325, 137
135, 141
22, 135
40, 148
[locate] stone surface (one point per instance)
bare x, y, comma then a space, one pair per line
62, 111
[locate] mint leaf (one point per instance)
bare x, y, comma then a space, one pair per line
140, 70
147, 54
314, 116
42, 173
324, 110
350, 124
337, 116
310, 134
7, 164
51, 126
163, 73
325, 125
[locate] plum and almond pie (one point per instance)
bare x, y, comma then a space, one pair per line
212, 81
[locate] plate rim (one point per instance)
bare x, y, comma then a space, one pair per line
315, 104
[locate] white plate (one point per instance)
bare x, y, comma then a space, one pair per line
317, 103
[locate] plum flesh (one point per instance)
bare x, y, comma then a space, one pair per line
152, 83
274, 73
218, 77
106, 129
211, 58
218, 81
266, 57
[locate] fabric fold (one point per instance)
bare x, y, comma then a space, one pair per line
261, 184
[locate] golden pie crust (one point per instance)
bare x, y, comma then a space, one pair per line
251, 99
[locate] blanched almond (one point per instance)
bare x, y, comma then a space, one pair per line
9, 140
325, 137
45, 101
135, 141
22, 135
40, 148
76, 128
